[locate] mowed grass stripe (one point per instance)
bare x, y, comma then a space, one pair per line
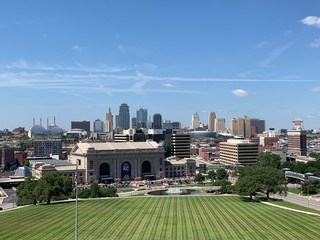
181, 226
268, 218
121, 222
168, 218
125, 226
242, 222
248, 219
137, 205
192, 210
144, 218
225, 228
99, 209
212, 204
189, 221
154, 212
260, 223
307, 221
200, 217
162, 221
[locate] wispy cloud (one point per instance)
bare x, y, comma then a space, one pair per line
76, 48
239, 92
315, 89
168, 85
80, 79
315, 43
275, 53
311, 21
261, 45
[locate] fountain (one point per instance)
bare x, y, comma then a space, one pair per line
174, 191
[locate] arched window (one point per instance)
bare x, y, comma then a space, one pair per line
104, 170
146, 168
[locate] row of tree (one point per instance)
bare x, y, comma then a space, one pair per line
52, 186
257, 179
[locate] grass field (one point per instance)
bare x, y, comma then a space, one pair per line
188, 217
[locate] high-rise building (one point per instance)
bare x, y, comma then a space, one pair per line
211, 122
108, 126
237, 152
84, 125
142, 117
257, 126
7, 159
195, 121
247, 127
157, 121
134, 123
219, 125
98, 126
149, 123
124, 116
297, 139
47, 147
180, 145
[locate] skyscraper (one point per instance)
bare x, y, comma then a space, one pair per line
98, 126
195, 121
297, 139
124, 116
109, 122
247, 127
240, 126
142, 117
157, 121
219, 125
211, 121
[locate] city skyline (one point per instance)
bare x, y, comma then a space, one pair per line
75, 59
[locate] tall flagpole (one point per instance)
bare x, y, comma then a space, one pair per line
76, 185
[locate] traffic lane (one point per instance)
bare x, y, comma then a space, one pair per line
300, 200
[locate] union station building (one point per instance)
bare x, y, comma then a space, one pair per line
118, 161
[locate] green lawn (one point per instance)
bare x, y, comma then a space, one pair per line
187, 217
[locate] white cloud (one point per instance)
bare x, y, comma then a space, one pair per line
76, 48
316, 89
168, 85
239, 93
311, 21
315, 43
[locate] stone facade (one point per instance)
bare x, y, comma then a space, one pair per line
119, 161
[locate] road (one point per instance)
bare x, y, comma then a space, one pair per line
10, 201
311, 202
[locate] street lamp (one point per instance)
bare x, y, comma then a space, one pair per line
76, 191
308, 194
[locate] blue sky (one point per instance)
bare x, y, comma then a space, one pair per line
75, 59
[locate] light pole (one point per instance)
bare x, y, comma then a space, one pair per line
308, 194
76, 190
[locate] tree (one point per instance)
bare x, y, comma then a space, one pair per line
26, 192
95, 190
269, 159
222, 174
247, 186
212, 176
52, 185
310, 187
225, 186
266, 180
199, 178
